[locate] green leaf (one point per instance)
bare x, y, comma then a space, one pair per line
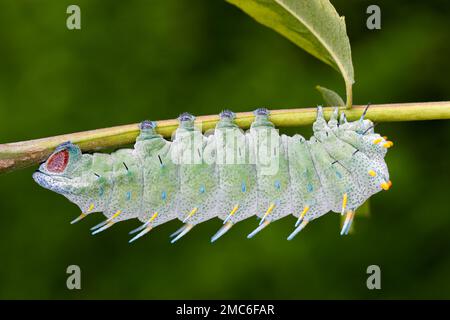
313, 25
331, 98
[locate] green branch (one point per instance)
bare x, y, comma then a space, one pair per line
18, 155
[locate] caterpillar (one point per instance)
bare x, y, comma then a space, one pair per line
226, 173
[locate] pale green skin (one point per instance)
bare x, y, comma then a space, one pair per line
153, 178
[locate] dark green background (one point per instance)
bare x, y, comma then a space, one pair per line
136, 60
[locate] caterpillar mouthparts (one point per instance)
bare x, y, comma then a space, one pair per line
229, 174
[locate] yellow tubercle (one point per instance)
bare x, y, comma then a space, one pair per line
234, 210
115, 214
305, 210
193, 211
91, 207
385, 186
269, 210
344, 202
388, 144
378, 140
153, 217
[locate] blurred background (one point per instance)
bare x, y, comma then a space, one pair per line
153, 60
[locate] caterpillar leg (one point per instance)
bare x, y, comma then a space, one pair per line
105, 224
269, 210
258, 229
227, 226
144, 229
193, 211
302, 215
298, 229
80, 217
178, 231
83, 214
141, 227
231, 214
140, 234
348, 222
344, 203
185, 229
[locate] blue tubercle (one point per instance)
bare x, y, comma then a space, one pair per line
147, 124
186, 117
277, 185
261, 112
243, 186
227, 114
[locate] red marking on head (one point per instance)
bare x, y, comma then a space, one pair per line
58, 162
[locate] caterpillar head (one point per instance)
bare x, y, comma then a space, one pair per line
60, 167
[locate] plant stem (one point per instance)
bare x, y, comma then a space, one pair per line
349, 94
18, 155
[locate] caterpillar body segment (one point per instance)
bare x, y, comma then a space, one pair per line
272, 170
197, 185
160, 177
229, 174
237, 180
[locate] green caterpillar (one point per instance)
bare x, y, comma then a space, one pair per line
227, 174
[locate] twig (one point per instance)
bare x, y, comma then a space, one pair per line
18, 155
